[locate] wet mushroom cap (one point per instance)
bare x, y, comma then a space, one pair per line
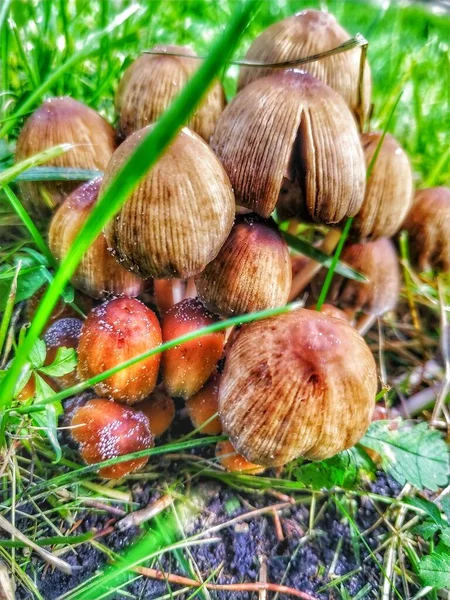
428, 227
99, 274
308, 33
290, 133
389, 189
153, 81
63, 120
204, 405
175, 222
299, 384
251, 272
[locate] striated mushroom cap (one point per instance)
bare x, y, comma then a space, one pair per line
378, 261
176, 220
152, 82
389, 188
58, 121
251, 272
308, 33
291, 137
299, 384
428, 227
99, 274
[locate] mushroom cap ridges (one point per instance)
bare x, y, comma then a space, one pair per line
428, 227
300, 384
292, 126
181, 212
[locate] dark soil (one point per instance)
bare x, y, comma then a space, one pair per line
299, 564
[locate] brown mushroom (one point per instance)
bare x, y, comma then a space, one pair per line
251, 272
428, 227
59, 121
299, 384
176, 220
99, 274
233, 461
159, 408
204, 405
308, 33
153, 81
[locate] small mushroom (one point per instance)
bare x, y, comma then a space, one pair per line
251, 272
159, 408
105, 430
60, 121
428, 227
378, 261
99, 274
113, 333
299, 384
389, 188
153, 81
290, 139
204, 405
308, 33
233, 461
176, 220
188, 366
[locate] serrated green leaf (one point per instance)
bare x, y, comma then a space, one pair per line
47, 420
412, 453
38, 354
445, 536
65, 362
29, 281
428, 507
434, 570
342, 470
426, 530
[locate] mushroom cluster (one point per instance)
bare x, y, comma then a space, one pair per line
199, 240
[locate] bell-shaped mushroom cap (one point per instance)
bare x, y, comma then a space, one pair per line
99, 274
378, 261
305, 34
153, 81
389, 190
292, 127
299, 384
428, 227
176, 220
251, 272
63, 121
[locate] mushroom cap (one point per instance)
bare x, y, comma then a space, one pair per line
428, 227
389, 189
99, 274
305, 34
299, 384
153, 81
112, 333
57, 121
233, 461
204, 404
159, 409
175, 222
292, 128
378, 261
251, 272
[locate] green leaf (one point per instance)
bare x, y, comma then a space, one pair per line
428, 507
445, 503
342, 470
307, 249
47, 420
412, 453
426, 530
37, 354
434, 569
445, 536
65, 362
29, 281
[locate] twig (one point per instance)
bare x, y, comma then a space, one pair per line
445, 348
6, 585
262, 595
138, 517
62, 565
229, 587
278, 528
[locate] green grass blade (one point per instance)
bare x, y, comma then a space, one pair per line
28, 222
137, 165
307, 249
7, 313
57, 174
13, 172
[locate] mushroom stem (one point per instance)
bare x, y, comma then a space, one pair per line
191, 290
301, 280
364, 323
168, 292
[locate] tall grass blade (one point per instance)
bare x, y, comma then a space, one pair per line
143, 158
13, 172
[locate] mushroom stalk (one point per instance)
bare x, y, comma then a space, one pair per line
303, 278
